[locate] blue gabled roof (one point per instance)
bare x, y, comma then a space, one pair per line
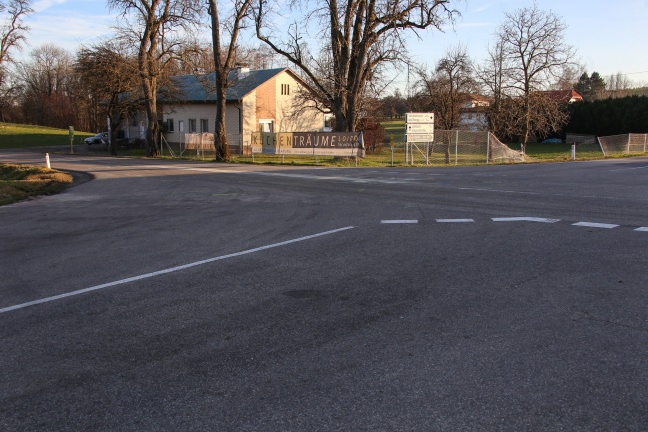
197, 88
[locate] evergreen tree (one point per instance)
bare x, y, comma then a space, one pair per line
597, 86
584, 86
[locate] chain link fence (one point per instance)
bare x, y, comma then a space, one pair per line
623, 144
449, 148
587, 147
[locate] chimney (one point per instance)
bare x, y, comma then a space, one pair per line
242, 71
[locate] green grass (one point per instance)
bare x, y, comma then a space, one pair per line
24, 136
395, 128
19, 182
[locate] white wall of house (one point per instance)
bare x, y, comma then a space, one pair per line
194, 117
250, 123
293, 117
473, 121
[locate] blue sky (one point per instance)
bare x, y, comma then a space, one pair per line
609, 37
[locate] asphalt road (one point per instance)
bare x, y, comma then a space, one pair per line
167, 295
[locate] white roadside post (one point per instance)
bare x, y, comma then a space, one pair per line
47, 161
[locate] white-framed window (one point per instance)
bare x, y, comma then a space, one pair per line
266, 125
204, 125
170, 125
192, 125
181, 125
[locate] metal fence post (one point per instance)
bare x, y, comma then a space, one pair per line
456, 146
574, 152
488, 147
629, 139
601, 145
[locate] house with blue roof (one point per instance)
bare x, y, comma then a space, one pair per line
265, 100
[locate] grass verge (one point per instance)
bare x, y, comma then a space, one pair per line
19, 182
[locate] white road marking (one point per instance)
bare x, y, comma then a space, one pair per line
595, 225
454, 220
628, 169
166, 271
500, 191
399, 221
645, 229
525, 219
546, 194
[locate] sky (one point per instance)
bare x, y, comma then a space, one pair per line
609, 37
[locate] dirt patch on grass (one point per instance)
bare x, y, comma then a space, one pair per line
18, 182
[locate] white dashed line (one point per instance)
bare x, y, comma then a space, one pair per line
454, 220
525, 219
166, 271
402, 221
644, 229
595, 225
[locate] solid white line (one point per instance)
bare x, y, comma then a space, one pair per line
595, 225
403, 221
166, 271
525, 219
454, 220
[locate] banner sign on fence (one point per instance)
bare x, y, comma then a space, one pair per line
309, 143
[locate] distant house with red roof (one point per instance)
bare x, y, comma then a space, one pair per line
564, 96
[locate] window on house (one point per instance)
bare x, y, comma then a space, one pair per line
204, 125
266, 125
170, 125
192, 125
285, 89
180, 125
133, 121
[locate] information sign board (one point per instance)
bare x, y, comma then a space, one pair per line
419, 138
419, 118
415, 128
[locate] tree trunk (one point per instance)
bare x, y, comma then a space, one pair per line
220, 131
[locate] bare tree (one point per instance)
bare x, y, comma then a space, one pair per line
448, 87
533, 52
12, 36
47, 79
224, 59
154, 26
503, 113
108, 81
13, 28
361, 38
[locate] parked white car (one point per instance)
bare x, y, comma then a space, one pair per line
100, 138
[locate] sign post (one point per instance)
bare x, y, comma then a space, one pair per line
419, 128
71, 133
